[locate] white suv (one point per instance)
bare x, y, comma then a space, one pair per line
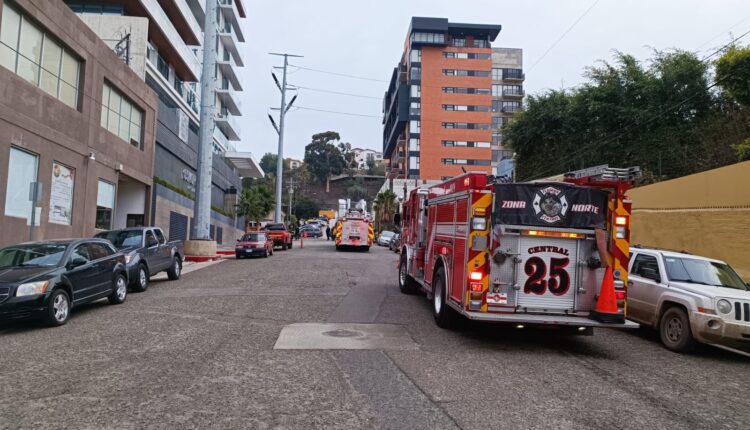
688, 299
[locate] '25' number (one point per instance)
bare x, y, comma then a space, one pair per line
558, 281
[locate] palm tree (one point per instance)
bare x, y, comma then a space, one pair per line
384, 206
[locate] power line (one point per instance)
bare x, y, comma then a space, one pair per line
339, 113
703, 60
563, 35
723, 32
339, 93
342, 74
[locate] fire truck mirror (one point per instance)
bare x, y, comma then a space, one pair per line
397, 219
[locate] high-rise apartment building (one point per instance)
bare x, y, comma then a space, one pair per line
439, 106
161, 41
507, 98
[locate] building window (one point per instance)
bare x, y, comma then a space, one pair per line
415, 55
22, 171
479, 43
36, 56
465, 162
428, 37
105, 204
415, 73
512, 74
512, 90
460, 90
95, 9
414, 163
416, 91
497, 74
415, 108
162, 66
497, 90
458, 42
465, 55
414, 126
510, 107
414, 144
121, 116
465, 125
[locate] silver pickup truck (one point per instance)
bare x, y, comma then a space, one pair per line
689, 299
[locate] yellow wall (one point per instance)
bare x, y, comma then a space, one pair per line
705, 214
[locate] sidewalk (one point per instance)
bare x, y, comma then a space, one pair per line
187, 267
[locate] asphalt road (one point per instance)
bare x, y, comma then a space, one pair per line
199, 353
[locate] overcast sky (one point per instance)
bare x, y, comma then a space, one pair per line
365, 38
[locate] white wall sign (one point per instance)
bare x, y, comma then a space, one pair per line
61, 194
183, 123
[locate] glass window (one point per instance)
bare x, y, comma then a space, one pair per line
160, 236
415, 108
416, 91
9, 29
510, 107
121, 116
414, 126
644, 261
105, 204
414, 144
497, 74
458, 41
416, 73
97, 251
22, 171
81, 252
30, 50
51, 57
415, 55
497, 90
478, 43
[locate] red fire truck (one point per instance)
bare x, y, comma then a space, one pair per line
536, 253
354, 231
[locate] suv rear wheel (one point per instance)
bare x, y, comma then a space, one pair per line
175, 270
674, 330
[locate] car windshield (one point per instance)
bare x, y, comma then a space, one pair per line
45, 255
704, 272
123, 238
254, 237
275, 227
387, 234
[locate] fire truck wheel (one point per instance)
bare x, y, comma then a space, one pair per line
405, 282
444, 316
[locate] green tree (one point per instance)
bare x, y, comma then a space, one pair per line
348, 155
733, 74
306, 208
384, 206
356, 190
743, 150
322, 158
255, 203
627, 113
268, 164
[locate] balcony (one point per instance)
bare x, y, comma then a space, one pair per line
231, 43
513, 93
513, 76
227, 68
170, 42
228, 98
232, 16
228, 124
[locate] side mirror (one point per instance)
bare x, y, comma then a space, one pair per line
650, 273
75, 261
397, 219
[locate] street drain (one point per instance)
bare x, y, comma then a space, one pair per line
343, 333
344, 336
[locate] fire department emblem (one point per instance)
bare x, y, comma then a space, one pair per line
550, 204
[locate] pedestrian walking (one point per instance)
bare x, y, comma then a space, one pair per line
328, 233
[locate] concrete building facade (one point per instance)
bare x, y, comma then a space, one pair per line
507, 99
161, 41
363, 155
437, 109
73, 119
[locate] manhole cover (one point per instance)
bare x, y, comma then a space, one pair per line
344, 336
343, 333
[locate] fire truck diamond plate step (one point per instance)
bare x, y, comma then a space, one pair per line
344, 336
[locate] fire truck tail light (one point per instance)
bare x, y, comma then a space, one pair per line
476, 276
476, 287
621, 220
621, 232
619, 295
479, 223
553, 234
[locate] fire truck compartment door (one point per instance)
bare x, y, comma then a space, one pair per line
547, 274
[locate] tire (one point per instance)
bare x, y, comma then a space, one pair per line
406, 284
120, 292
175, 269
58, 310
239, 256
142, 279
674, 330
444, 315
283, 246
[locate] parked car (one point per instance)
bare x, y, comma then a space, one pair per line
147, 252
312, 230
395, 243
688, 299
279, 235
47, 279
384, 239
253, 244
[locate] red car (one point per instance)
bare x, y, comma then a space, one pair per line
254, 244
279, 234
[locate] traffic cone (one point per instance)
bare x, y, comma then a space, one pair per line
606, 306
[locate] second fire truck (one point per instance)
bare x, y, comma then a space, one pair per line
537, 253
354, 231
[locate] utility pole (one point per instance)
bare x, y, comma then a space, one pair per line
280, 130
291, 193
202, 209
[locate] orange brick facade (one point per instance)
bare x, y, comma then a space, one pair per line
433, 115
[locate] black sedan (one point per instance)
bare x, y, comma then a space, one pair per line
47, 279
311, 230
